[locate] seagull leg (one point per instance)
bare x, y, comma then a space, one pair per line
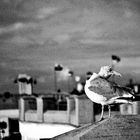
102, 113
109, 108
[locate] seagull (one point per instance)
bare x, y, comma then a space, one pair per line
102, 91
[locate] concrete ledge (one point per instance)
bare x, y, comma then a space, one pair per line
10, 113
55, 117
30, 115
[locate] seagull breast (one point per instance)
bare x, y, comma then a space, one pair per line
91, 93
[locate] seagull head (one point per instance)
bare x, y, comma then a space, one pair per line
107, 71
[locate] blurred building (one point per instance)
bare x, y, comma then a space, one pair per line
133, 108
88, 75
45, 117
9, 113
25, 84
11, 131
10, 102
134, 86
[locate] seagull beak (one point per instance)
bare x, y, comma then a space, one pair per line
116, 73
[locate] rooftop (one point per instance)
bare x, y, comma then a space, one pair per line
122, 127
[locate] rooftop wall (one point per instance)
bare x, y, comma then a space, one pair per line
73, 112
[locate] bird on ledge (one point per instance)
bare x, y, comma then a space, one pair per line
102, 91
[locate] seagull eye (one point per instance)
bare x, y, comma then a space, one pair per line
110, 69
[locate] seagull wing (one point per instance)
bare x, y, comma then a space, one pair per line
109, 89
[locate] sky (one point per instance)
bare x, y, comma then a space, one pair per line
79, 34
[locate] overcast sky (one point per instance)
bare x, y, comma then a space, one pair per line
79, 34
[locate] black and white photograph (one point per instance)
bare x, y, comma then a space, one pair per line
69, 69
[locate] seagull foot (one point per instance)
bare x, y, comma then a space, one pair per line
101, 119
